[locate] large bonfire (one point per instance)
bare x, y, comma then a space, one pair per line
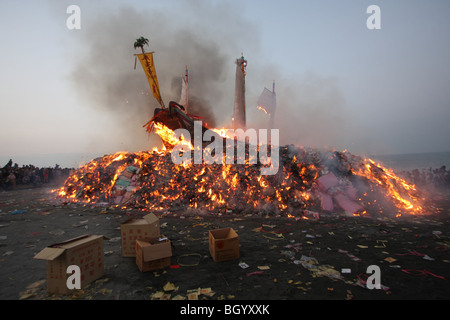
309, 182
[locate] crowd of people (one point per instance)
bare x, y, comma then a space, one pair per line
13, 176
437, 178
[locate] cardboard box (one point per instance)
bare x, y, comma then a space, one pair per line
223, 244
153, 254
85, 251
134, 229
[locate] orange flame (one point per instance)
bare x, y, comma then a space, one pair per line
396, 188
261, 108
169, 138
217, 187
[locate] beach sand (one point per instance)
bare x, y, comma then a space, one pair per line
287, 259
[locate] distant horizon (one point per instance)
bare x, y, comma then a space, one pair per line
408, 153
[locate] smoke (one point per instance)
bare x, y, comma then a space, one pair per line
105, 77
207, 38
311, 110
314, 108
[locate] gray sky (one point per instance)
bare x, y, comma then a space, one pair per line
338, 83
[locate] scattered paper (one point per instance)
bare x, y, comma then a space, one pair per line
193, 296
169, 286
157, 295
390, 259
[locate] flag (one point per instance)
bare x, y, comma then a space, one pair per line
149, 68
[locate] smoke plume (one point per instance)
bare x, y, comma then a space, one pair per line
105, 77
207, 38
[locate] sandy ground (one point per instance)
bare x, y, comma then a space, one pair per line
273, 248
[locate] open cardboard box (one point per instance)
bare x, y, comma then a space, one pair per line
85, 251
223, 244
153, 254
135, 229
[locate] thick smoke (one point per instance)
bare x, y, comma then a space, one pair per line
105, 76
207, 38
315, 107
311, 109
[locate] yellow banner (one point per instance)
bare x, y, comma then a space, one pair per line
149, 68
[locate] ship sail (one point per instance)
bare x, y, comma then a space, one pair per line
148, 65
267, 101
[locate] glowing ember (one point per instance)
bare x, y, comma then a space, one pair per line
262, 108
150, 181
402, 193
169, 137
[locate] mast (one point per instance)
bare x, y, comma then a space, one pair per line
239, 120
186, 81
184, 96
273, 108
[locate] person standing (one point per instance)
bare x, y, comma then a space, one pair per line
11, 180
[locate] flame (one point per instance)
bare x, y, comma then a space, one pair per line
224, 132
119, 157
87, 183
162, 185
261, 108
401, 192
169, 138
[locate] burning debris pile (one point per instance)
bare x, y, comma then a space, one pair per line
309, 182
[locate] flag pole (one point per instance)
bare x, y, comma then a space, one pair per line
271, 117
273, 111
187, 88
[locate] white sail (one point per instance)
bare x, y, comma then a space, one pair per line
267, 101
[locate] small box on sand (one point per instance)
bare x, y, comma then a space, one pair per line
153, 254
223, 244
85, 251
135, 229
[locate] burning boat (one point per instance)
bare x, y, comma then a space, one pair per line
174, 116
